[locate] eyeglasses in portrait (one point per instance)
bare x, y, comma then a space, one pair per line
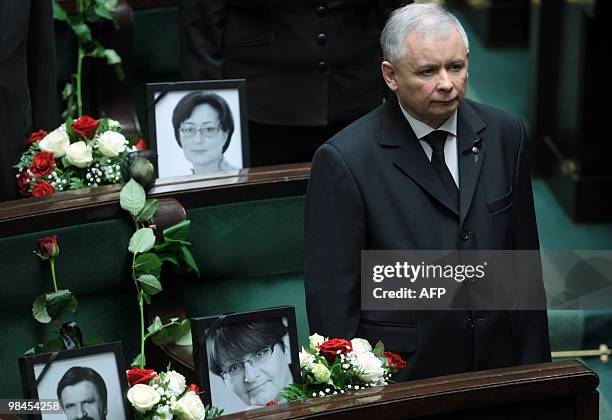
245, 360
198, 127
88, 382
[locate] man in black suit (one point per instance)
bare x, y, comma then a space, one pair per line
27, 81
310, 66
386, 183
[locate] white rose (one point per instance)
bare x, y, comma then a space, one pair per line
111, 143
114, 124
321, 373
143, 397
79, 154
55, 142
176, 382
306, 359
371, 367
316, 340
360, 345
163, 413
190, 407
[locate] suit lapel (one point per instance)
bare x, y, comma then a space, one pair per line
469, 126
407, 155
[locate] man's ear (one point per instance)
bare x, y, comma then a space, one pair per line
388, 73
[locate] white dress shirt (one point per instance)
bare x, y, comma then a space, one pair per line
450, 147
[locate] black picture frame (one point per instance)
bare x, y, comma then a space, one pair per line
172, 161
222, 393
105, 359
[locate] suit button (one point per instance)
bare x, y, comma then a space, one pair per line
322, 66
321, 11
321, 39
465, 234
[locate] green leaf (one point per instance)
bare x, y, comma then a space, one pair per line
188, 258
146, 298
82, 31
180, 231
68, 90
155, 326
139, 361
182, 335
149, 284
39, 309
101, 11
379, 348
59, 13
60, 301
148, 210
112, 57
147, 263
160, 336
141, 241
132, 197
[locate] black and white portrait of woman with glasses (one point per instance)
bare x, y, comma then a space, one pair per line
197, 131
249, 362
203, 127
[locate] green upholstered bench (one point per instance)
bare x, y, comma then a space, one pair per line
247, 235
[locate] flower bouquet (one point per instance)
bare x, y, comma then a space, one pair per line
165, 396
335, 366
80, 153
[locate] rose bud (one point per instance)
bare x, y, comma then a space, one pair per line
47, 247
141, 169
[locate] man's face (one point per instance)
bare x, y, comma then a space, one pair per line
259, 383
431, 79
82, 401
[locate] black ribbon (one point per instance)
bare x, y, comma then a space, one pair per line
72, 337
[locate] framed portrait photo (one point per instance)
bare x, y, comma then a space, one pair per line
244, 360
198, 127
88, 382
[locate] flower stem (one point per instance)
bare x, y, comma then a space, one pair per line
79, 80
81, 56
142, 329
52, 263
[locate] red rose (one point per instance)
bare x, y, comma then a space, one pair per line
271, 403
140, 376
394, 360
42, 164
330, 349
141, 145
85, 126
47, 247
23, 182
194, 388
36, 136
42, 189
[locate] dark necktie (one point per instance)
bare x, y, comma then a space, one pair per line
436, 140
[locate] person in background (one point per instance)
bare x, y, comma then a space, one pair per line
82, 394
252, 358
27, 81
203, 128
310, 66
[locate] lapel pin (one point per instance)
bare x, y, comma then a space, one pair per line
476, 146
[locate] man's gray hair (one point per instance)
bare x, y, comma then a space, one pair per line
426, 18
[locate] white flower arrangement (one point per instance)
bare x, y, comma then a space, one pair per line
335, 366
165, 396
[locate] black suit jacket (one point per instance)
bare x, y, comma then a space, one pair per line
306, 62
27, 80
372, 187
